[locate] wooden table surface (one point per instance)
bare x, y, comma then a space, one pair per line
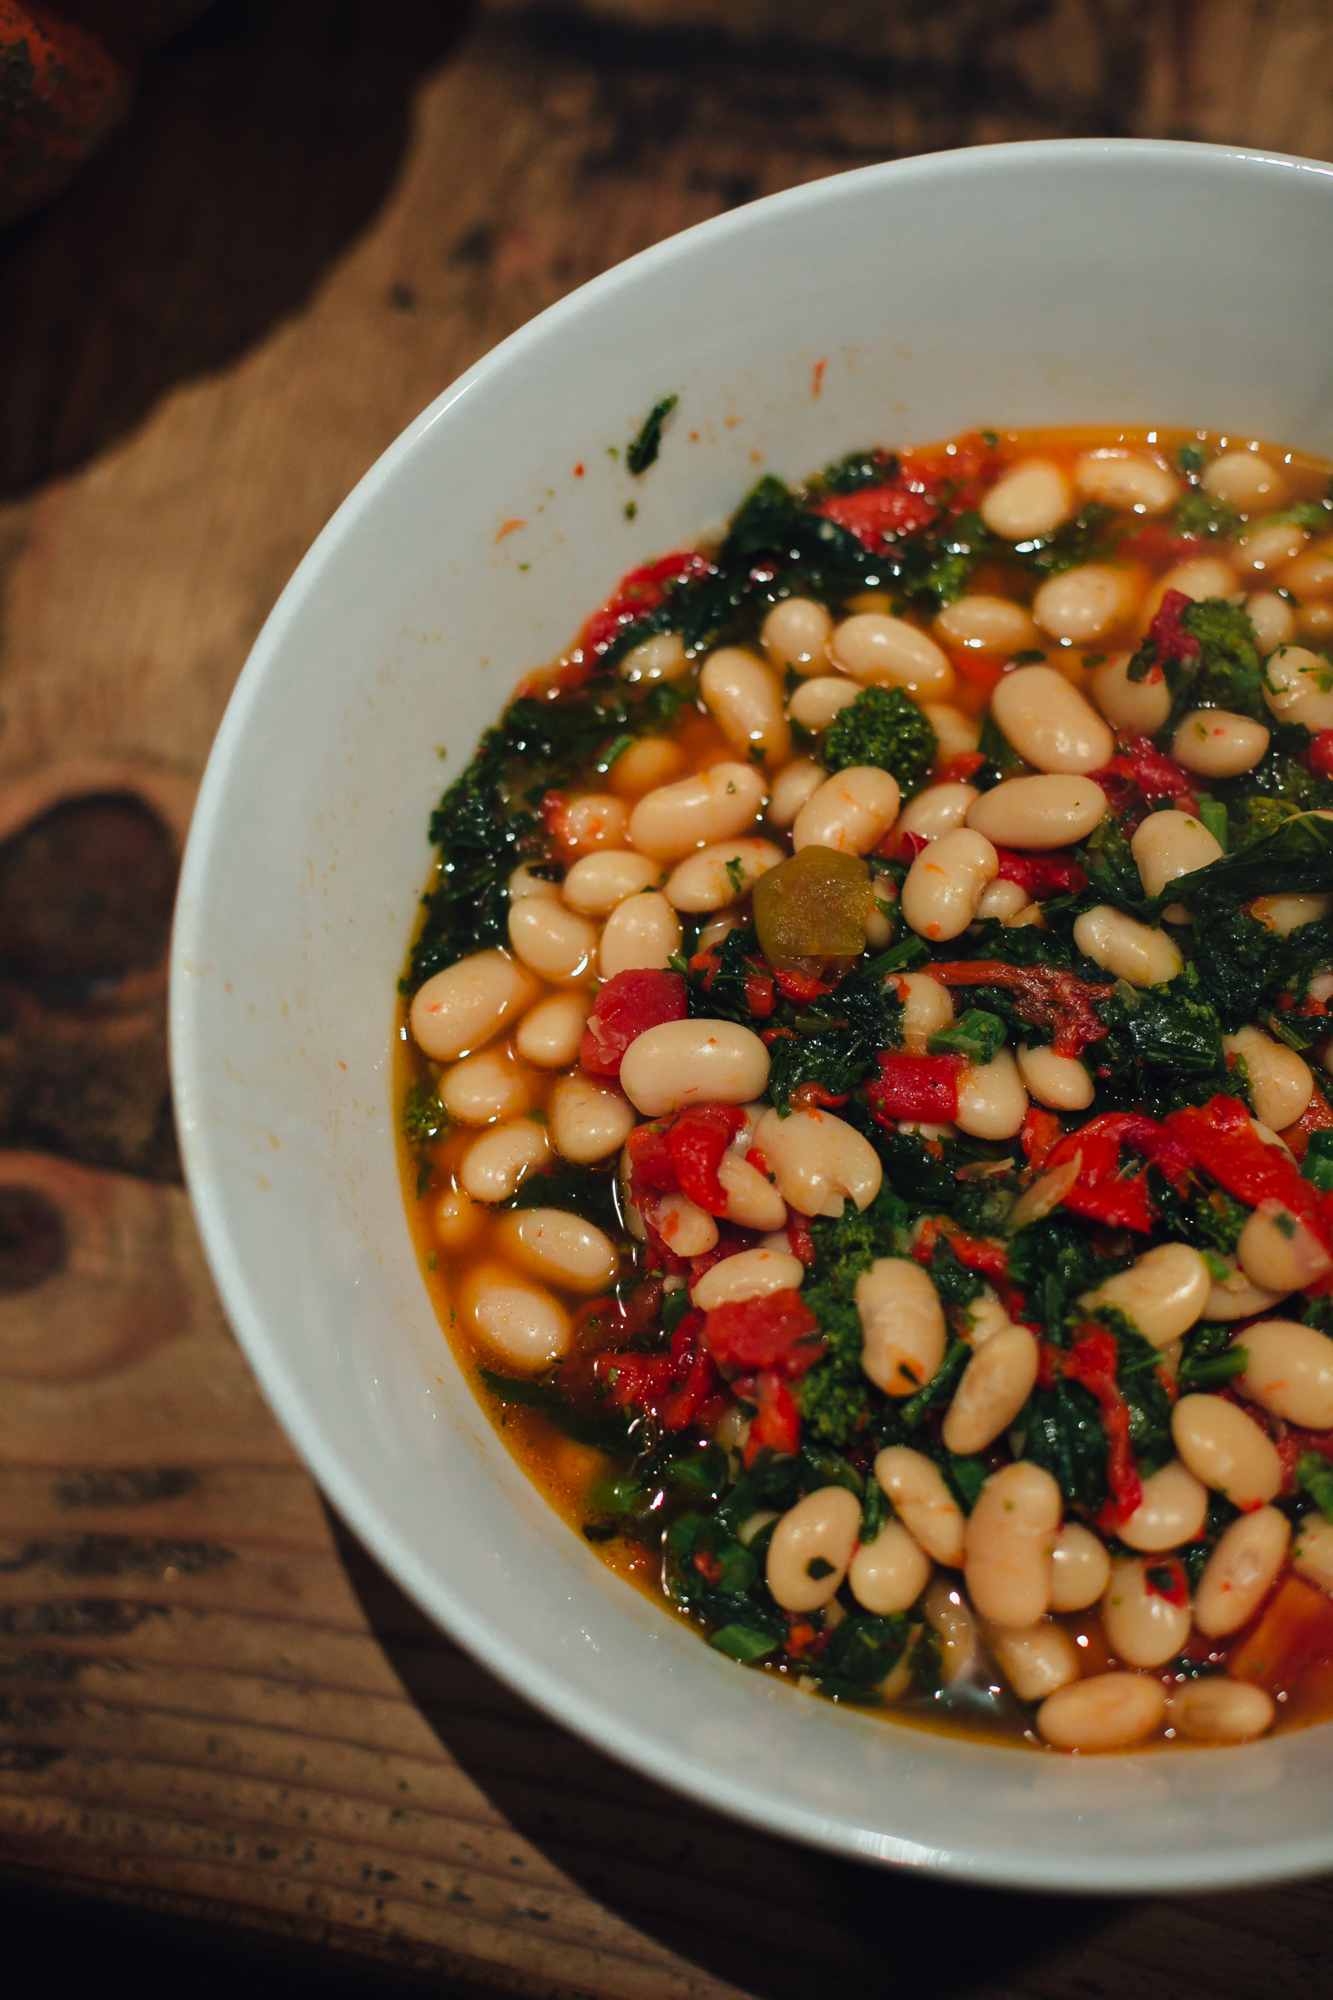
212, 1703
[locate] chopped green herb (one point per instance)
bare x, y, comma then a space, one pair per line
643, 451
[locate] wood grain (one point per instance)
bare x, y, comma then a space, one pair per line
211, 1701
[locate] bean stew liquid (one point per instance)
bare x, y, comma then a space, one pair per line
865, 1085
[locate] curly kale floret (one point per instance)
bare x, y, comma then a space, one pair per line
884, 728
838, 1402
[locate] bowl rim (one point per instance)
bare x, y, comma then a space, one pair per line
549, 1689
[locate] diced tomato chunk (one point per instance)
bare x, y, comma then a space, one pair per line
777, 1421
776, 1332
1319, 756
627, 1006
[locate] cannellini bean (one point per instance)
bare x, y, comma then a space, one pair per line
1080, 604
955, 733
1244, 480
1035, 1661
457, 1219
1126, 949
949, 1615
888, 652
987, 625
1226, 1449
750, 1274
794, 784
1045, 811
710, 805
1268, 548
745, 701
992, 1102
1128, 479
1289, 1371
1282, 1253
463, 1006
552, 940
815, 703
1171, 1512
685, 1227
1102, 1712
484, 1087
939, 809
641, 934
518, 1320
722, 874
660, 658
1140, 707
693, 1062
1309, 576
1001, 902
985, 1317
524, 883
597, 882
1049, 723
796, 634
819, 1162
1281, 1082
924, 1504
1241, 1571
812, 1547
1201, 578
1164, 1292
851, 811
1008, 1541
752, 1200
1080, 1568
890, 1573
1214, 743
995, 1384
496, 1163
1238, 1297
945, 883
552, 1033
1062, 1083
1273, 620
902, 1325
596, 819
562, 1248
645, 765
1312, 1551
1170, 844
1298, 687
1284, 914
1218, 1710
589, 1121
1028, 502
927, 1009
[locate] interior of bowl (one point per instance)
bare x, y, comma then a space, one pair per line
1080, 282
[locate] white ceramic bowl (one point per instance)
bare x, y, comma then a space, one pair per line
1096, 282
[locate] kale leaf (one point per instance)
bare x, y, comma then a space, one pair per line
642, 451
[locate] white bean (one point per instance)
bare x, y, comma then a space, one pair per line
902, 1325
818, 1161
1214, 743
1243, 480
1036, 1661
890, 1573
945, 883
1284, 914
1309, 576
1312, 1551
1049, 723
496, 1163
684, 1227
1080, 1568
484, 1087
1102, 1712
1268, 548
1128, 479
950, 1617
1298, 687
955, 733
457, 1219
1001, 902
750, 1274
551, 1035
1199, 579
1009, 1538
598, 882
811, 1548
888, 652
1241, 1571
1040, 812
641, 934
645, 765
660, 658
1226, 1449
1237, 1297
693, 1062
519, 1320
1028, 502
794, 784
995, 1384
986, 625
1289, 1371
717, 876
752, 1200
796, 634
1062, 1083
927, 1010
1125, 948
1170, 844
593, 820
851, 811
1171, 1512
463, 1006
1164, 1292
554, 941
927, 1509
939, 809
1140, 707
523, 882
1273, 620
815, 703
1218, 1710
710, 805
589, 1121
1281, 1252
560, 1247
1081, 604
745, 701
1281, 1082
992, 1102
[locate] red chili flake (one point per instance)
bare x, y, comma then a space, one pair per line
1043, 996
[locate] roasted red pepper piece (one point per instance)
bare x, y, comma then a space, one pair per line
1041, 874
1316, 1117
1140, 765
877, 514
1221, 1138
1092, 1360
777, 1421
1042, 995
1040, 1135
1173, 642
1103, 1192
777, 1332
924, 1087
638, 592
800, 987
627, 1005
